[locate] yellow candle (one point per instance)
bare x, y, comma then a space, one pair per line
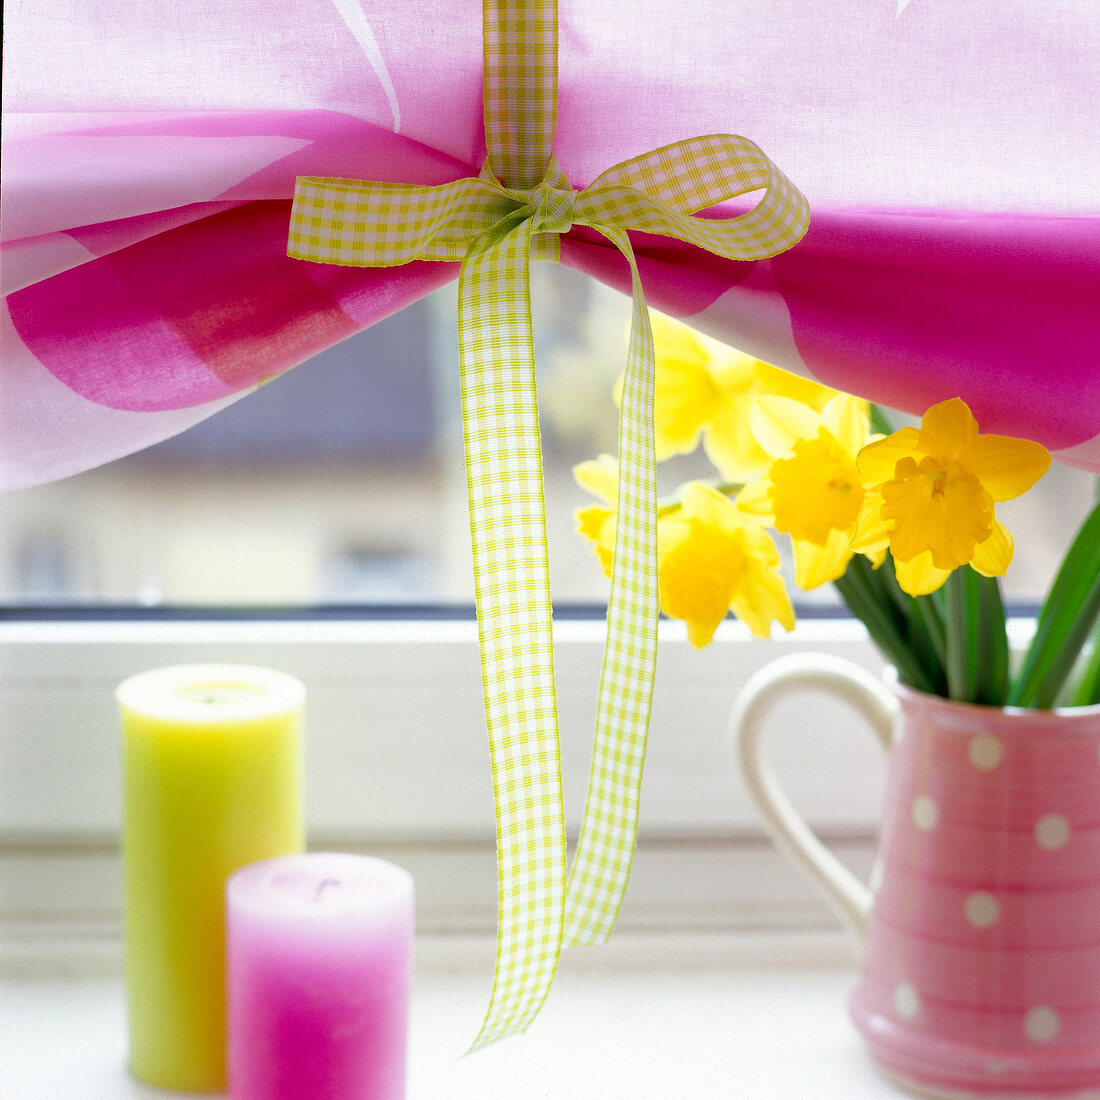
212, 782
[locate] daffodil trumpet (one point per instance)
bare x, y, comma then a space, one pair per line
903, 523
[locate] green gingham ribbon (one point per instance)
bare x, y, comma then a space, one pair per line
495, 228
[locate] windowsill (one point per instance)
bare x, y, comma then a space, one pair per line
697, 1016
712, 987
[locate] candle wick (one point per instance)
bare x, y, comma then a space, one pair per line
321, 887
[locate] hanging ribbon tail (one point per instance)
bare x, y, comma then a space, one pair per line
655, 192
512, 584
605, 849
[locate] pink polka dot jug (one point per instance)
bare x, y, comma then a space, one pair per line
981, 925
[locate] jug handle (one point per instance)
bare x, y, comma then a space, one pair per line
854, 685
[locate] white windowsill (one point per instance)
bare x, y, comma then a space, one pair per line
669, 1017
727, 978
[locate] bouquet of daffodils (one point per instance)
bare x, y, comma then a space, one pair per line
901, 522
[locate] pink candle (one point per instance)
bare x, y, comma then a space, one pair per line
319, 955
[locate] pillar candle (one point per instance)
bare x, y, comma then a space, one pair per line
211, 759
319, 960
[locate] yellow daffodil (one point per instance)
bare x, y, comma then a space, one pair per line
596, 522
704, 388
931, 495
712, 560
811, 489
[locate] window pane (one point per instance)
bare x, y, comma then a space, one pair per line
343, 481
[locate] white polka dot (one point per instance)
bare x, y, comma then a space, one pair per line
906, 1001
1042, 1024
986, 752
926, 814
1052, 832
982, 909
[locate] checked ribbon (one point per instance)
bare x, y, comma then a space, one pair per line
495, 224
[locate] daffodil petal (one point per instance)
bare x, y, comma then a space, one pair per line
599, 476
877, 460
712, 559
782, 382
710, 507
849, 420
597, 524
728, 440
872, 530
676, 340
732, 369
816, 565
605, 544
949, 429
755, 500
671, 531
762, 600
993, 557
697, 577
590, 519
759, 546
685, 400
778, 423
1007, 467
700, 632
919, 576
877, 556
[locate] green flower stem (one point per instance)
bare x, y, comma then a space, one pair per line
884, 582
991, 636
1087, 690
960, 620
976, 638
1064, 625
885, 578
885, 627
928, 611
927, 631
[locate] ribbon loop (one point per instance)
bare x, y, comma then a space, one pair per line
658, 192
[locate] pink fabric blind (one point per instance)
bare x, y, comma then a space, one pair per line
949, 153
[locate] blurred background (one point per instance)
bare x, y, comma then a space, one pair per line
343, 482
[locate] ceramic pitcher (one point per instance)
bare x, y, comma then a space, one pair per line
981, 924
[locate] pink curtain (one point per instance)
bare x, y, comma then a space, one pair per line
948, 152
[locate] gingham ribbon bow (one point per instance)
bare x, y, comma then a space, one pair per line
495, 229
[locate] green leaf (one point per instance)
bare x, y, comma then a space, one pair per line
880, 423
991, 643
1065, 622
927, 631
887, 579
927, 649
976, 639
1086, 692
928, 611
960, 622
886, 625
